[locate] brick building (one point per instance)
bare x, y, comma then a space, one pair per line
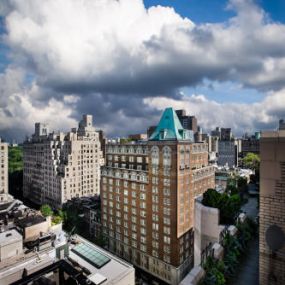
272, 208
147, 194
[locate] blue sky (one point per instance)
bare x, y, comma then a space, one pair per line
214, 11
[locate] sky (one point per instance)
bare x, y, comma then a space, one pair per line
124, 61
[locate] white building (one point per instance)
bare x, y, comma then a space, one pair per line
59, 166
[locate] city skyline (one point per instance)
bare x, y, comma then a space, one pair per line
120, 62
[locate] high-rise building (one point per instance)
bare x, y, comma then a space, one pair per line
250, 144
147, 194
272, 210
216, 133
228, 153
187, 122
3, 171
226, 134
59, 166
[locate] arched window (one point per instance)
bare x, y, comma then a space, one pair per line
166, 151
155, 155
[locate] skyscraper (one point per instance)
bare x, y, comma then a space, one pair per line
59, 166
187, 122
147, 194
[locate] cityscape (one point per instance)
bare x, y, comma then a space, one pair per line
142, 142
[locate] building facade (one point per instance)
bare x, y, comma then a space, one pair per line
59, 166
250, 144
147, 194
227, 153
187, 122
3, 171
272, 210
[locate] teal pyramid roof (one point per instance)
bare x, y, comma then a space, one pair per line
170, 128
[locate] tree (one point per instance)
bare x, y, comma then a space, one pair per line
252, 161
46, 210
229, 206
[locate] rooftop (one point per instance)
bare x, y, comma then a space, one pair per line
170, 128
9, 237
100, 262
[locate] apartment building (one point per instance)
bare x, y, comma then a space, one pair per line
272, 210
147, 194
3, 171
60, 166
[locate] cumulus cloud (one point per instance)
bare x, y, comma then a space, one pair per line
240, 117
106, 56
122, 47
19, 109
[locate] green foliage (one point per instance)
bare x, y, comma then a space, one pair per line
15, 159
219, 272
251, 160
229, 206
214, 272
46, 210
125, 140
232, 189
56, 220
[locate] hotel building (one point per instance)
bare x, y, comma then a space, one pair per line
147, 194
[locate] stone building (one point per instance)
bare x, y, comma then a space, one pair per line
59, 166
147, 194
272, 208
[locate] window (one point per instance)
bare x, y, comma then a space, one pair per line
143, 231
166, 191
154, 155
166, 239
155, 208
142, 196
166, 151
155, 226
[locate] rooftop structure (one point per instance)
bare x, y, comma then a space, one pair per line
170, 128
32, 251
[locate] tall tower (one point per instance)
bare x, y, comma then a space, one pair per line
148, 192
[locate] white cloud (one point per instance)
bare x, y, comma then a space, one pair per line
19, 110
105, 56
240, 117
104, 45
